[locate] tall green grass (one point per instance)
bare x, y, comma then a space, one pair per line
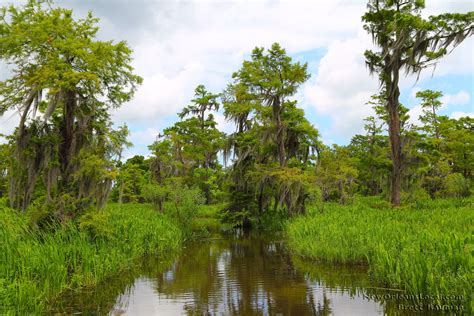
426, 248
37, 266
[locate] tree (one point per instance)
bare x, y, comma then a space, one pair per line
63, 84
131, 180
445, 146
459, 135
274, 145
337, 174
430, 103
190, 148
411, 43
372, 153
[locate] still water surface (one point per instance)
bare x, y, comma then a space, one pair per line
238, 274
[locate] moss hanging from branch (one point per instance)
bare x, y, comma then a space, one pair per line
63, 84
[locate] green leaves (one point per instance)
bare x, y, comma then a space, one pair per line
273, 142
406, 41
189, 149
64, 74
50, 50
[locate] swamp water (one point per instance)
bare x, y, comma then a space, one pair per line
234, 274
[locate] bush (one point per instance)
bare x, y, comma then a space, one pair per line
156, 195
183, 203
415, 194
456, 186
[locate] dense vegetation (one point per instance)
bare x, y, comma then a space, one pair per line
64, 161
38, 265
424, 248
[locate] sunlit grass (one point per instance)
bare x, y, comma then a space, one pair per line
37, 266
426, 248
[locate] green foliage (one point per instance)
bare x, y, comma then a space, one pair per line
133, 176
336, 174
456, 186
430, 104
189, 149
37, 266
206, 220
156, 194
274, 144
415, 194
431, 152
175, 199
4, 158
424, 249
64, 82
183, 203
407, 41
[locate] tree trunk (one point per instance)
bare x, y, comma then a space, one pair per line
67, 134
395, 140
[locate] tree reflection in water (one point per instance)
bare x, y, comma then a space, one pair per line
240, 274
245, 276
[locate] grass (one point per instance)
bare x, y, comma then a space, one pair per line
206, 220
36, 267
426, 248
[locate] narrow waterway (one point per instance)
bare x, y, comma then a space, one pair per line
234, 274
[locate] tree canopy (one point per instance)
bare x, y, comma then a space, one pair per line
64, 82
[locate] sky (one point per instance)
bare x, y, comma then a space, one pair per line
181, 44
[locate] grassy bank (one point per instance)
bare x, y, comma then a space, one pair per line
426, 248
206, 220
37, 266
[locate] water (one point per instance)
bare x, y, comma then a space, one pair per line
236, 274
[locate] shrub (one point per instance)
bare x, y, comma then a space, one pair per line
456, 186
183, 203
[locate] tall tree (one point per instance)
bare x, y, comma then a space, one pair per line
132, 178
190, 147
273, 144
64, 82
407, 42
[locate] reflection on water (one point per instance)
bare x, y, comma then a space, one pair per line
232, 275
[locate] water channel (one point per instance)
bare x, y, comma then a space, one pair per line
233, 274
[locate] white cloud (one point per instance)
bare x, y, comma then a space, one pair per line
141, 139
8, 122
460, 98
343, 85
458, 114
161, 95
224, 125
212, 39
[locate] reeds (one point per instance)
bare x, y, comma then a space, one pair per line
35, 267
423, 249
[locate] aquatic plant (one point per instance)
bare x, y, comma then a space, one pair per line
423, 249
37, 266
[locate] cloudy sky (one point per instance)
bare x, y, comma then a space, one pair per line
180, 44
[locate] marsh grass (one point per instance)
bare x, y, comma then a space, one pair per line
424, 248
37, 266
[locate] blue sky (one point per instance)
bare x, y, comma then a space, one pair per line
180, 44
